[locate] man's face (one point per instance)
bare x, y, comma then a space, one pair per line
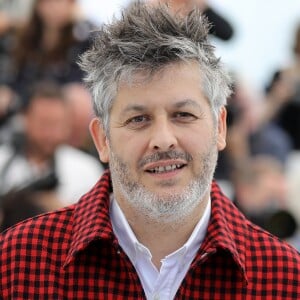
163, 143
47, 126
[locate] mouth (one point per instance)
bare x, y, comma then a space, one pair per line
165, 168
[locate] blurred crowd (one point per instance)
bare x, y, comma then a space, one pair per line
47, 158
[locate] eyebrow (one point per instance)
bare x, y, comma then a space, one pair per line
134, 107
179, 104
187, 102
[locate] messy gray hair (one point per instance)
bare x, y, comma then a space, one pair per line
145, 39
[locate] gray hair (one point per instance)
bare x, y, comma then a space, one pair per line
145, 39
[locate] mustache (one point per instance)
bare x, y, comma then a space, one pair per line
158, 156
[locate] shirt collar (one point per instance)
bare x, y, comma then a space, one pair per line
123, 231
91, 218
226, 230
91, 221
131, 245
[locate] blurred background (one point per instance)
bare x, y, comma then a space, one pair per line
263, 36
47, 159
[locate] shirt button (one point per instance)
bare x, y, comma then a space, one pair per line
156, 297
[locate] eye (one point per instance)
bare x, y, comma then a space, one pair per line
138, 119
184, 116
137, 122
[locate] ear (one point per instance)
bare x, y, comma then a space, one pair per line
100, 139
222, 129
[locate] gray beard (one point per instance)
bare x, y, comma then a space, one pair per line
165, 207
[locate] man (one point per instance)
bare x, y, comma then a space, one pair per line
39, 157
153, 227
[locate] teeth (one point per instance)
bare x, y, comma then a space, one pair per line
169, 168
162, 169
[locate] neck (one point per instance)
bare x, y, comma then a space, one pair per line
50, 38
163, 238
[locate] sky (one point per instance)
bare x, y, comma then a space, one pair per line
263, 40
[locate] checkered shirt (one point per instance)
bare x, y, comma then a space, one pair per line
73, 254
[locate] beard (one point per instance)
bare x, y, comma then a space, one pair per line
165, 207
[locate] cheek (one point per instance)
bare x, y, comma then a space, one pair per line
197, 141
132, 144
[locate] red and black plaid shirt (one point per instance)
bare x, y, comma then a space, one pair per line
73, 254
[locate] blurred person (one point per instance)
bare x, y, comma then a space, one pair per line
17, 206
10, 122
100, 12
6, 101
156, 225
14, 11
13, 15
283, 94
219, 26
241, 122
261, 188
81, 113
283, 224
49, 45
41, 151
249, 134
264, 137
293, 178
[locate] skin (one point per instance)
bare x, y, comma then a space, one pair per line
181, 6
167, 113
55, 13
81, 110
47, 127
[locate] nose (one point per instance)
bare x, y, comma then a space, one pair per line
162, 136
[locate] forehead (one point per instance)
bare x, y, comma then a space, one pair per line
137, 77
175, 82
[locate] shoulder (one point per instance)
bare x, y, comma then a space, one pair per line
267, 257
259, 249
33, 252
267, 244
263, 246
272, 262
36, 236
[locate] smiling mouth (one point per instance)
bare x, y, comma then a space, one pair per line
165, 169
